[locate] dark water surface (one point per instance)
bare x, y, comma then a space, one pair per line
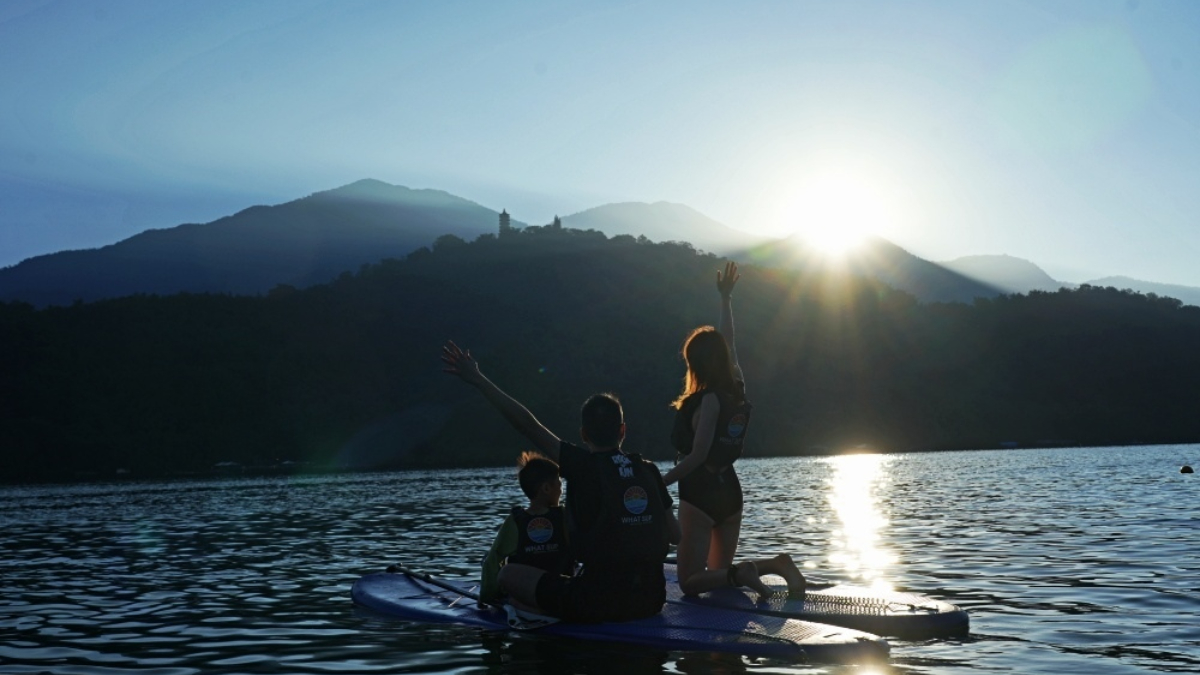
1068, 560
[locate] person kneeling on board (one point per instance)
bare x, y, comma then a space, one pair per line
535, 535
618, 508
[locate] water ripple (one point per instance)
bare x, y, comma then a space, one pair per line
1070, 560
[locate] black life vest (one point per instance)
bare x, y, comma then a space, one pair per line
729, 436
631, 528
542, 540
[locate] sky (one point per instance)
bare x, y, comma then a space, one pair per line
1063, 132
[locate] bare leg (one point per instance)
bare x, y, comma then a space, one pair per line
724, 545
746, 574
783, 566
706, 551
693, 552
520, 583
724, 542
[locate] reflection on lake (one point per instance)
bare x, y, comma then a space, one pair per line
857, 546
1081, 560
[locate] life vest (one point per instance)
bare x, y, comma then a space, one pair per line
631, 526
729, 436
542, 540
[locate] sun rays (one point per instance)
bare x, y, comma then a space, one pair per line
835, 211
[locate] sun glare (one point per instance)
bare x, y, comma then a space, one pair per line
858, 546
835, 213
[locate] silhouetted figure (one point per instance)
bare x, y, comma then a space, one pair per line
535, 535
711, 420
618, 508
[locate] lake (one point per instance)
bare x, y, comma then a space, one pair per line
1070, 560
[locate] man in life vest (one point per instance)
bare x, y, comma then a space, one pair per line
619, 513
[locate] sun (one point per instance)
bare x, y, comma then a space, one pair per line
836, 212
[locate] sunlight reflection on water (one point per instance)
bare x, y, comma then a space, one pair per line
1070, 560
854, 495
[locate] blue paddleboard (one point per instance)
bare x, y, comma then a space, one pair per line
680, 626
901, 615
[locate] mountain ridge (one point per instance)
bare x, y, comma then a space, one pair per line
880, 259
707, 234
345, 374
1188, 295
301, 242
315, 238
1005, 272
1011, 274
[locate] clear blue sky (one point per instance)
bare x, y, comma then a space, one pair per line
1066, 133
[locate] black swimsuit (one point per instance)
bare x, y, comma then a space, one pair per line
714, 487
718, 495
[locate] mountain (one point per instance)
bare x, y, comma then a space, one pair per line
663, 221
1005, 272
880, 259
346, 374
314, 239
1016, 275
1188, 295
300, 243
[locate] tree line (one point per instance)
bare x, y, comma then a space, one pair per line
346, 375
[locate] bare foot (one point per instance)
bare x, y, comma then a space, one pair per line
795, 579
747, 575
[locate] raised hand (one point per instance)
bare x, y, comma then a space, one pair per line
726, 283
460, 363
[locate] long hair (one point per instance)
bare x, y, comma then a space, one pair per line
709, 365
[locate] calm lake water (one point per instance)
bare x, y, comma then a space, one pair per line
1082, 560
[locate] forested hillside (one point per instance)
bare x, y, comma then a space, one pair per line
347, 374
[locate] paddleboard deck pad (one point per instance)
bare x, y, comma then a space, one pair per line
907, 616
680, 626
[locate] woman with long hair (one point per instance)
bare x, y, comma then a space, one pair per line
711, 420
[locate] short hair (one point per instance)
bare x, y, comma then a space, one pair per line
601, 419
536, 470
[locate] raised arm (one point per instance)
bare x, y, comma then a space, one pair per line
725, 284
461, 364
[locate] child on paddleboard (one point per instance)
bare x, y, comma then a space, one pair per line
535, 535
619, 512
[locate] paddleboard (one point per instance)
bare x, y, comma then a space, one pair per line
907, 616
680, 627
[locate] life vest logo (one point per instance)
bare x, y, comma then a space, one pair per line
635, 500
737, 425
624, 465
540, 530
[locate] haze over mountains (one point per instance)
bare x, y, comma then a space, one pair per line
300, 243
1189, 295
1015, 275
316, 238
663, 221
1005, 273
